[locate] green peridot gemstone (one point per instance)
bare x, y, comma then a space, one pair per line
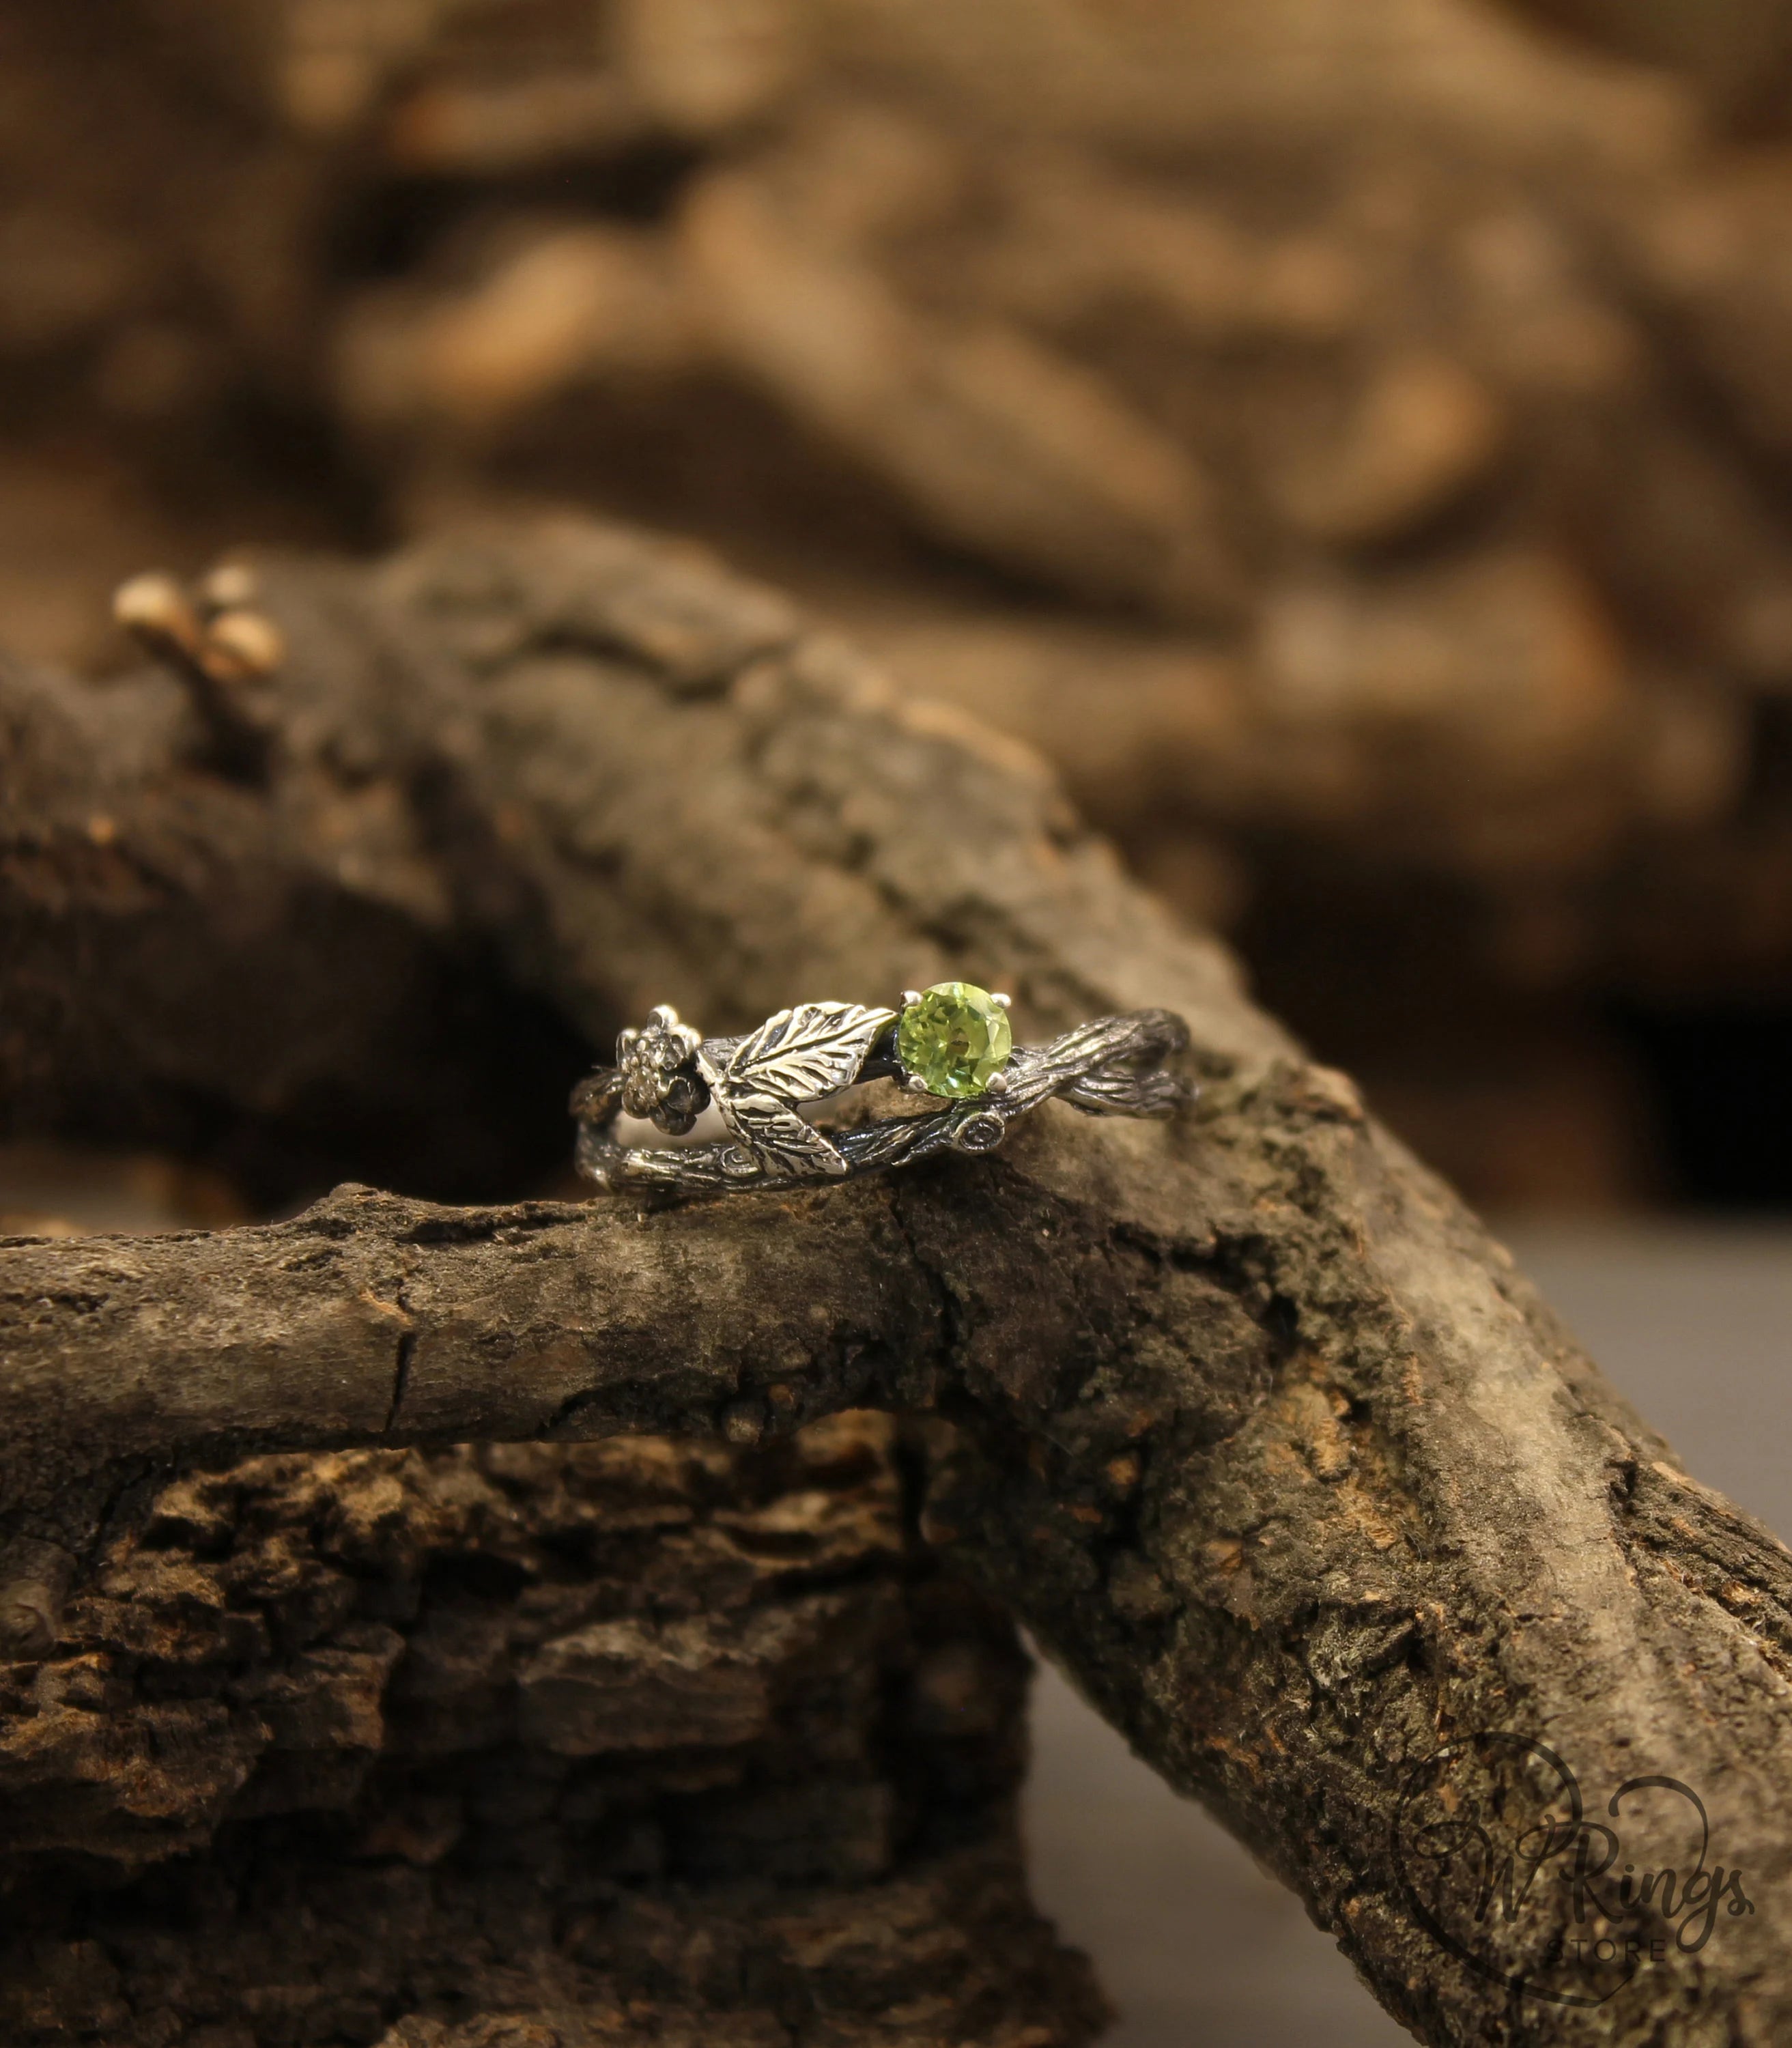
953, 1039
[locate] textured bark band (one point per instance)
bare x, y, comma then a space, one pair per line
757, 1083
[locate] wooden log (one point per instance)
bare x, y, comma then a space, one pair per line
1266, 1440
632, 1742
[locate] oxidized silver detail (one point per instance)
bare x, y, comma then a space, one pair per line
759, 1081
654, 1065
981, 1133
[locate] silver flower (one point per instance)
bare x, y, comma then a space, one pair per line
659, 1078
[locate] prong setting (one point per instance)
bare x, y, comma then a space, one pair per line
915, 1085
910, 997
1002, 1001
997, 1084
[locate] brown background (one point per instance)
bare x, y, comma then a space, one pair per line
1349, 437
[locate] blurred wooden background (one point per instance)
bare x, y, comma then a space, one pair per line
1352, 437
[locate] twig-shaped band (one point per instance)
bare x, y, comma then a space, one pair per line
759, 1081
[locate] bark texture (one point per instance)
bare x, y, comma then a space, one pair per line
513, 1745
1254, 1427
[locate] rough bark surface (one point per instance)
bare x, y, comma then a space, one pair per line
1259, 1432
521, 1745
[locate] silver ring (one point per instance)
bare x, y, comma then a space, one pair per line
950, 1044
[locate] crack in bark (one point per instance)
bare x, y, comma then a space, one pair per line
403, 1353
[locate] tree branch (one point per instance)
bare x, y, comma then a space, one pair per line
1262, 1436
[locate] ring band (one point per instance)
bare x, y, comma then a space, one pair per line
950, 1044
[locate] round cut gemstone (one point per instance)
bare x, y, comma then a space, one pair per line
953, 1039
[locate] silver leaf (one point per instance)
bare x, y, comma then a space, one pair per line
800, 1054
778, 1139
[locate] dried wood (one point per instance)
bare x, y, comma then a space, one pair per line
634, 1742
1264, 1439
